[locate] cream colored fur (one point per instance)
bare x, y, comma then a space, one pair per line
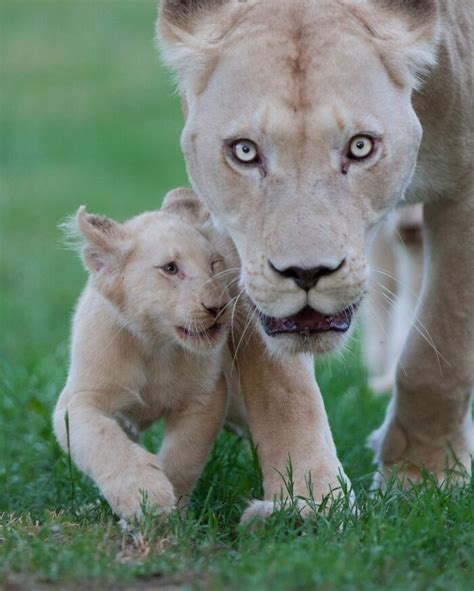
131, 363
300, 79
396, 261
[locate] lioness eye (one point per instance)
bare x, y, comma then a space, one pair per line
170, 268
245, 151
360, 147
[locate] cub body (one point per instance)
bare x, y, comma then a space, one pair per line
148, 341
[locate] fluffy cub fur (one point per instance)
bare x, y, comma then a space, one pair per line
148, 341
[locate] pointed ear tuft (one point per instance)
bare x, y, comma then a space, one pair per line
188, 35
103, 241
184, 12
185, 204
418, 12
408, 34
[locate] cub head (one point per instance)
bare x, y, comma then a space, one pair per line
163, 277
299, 137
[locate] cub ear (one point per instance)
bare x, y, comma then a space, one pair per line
185, 204
408, 34
103, 241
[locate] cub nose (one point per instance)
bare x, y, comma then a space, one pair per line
306, 278
214, 311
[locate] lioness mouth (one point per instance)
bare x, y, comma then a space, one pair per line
308, 321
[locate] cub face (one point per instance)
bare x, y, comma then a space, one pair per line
164, 278
172, 283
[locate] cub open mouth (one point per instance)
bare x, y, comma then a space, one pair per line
308, 321
208, 332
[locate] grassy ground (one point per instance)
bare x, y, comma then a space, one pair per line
88, 116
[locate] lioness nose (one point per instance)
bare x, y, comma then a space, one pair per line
306, 278
215, 311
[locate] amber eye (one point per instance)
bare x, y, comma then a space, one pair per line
170, 268
360, 147
245, 151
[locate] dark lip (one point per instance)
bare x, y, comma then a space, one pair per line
308, 322
212, 330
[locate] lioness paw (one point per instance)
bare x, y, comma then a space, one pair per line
407, 456
139, 489
258, 510
381, 384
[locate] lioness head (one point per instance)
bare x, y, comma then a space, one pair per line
299, 137
160, 273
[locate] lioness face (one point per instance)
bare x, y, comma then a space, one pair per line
299, 137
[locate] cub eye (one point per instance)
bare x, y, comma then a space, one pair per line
216, 264
245, 151
360, 147
170, 268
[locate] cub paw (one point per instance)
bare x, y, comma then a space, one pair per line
145, 487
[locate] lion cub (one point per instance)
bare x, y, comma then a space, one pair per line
148, 341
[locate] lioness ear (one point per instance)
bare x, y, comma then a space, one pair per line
103, 240
185, 12
407, 32
185, 204
188, 32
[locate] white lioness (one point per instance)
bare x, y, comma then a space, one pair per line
396, 262
148, 341
303, 128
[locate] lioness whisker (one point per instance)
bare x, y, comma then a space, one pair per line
420, 328
250, 317
396, 279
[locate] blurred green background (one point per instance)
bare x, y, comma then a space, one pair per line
88, 115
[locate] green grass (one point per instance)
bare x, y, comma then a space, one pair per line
88, 116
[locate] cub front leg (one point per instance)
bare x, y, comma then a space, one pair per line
189, 437
288, 423
123, 471
429, 423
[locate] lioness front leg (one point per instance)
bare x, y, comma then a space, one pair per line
288, 423
429, 422
189, 437
123, 471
